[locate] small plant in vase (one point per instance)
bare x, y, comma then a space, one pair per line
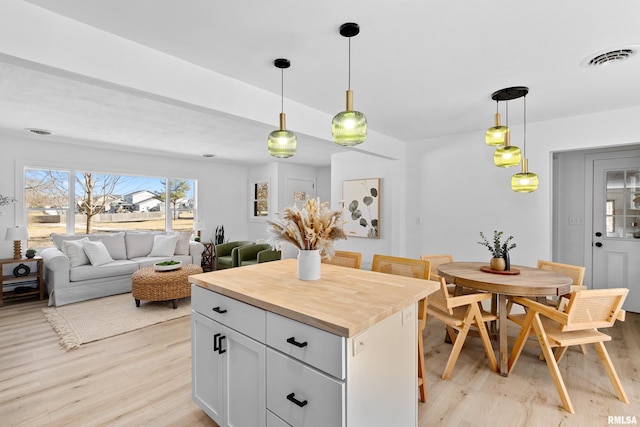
30, 253
499, 250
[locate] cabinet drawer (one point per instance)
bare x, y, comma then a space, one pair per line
320, 398
235, 314
318, 348
273, 421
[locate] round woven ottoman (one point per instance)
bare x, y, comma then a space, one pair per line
150, 285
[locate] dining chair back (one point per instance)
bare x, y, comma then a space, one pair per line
435, 261
345, 259
420, 270
459, 313
586, 311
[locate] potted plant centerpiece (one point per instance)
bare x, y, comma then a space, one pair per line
312, 230
499, 250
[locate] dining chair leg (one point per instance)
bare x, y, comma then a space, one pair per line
611, 372
458, 343
486, 341
520, 341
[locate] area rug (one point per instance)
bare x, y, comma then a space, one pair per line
97, 319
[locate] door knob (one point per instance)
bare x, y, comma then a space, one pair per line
599, 244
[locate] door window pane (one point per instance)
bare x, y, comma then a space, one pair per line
622, 214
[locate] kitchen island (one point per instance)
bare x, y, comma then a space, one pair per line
271, 350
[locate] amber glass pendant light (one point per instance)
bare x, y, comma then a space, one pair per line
349, 127
496, 135
282, 143
524, 182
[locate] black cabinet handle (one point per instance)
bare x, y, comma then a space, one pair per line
291, 398
293, 341
216, 344
219, 310
220, 349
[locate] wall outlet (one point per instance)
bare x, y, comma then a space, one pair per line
360, 342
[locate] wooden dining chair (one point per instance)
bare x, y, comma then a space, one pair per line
420, 270
587, 310
459, 313
435, 261
345, 259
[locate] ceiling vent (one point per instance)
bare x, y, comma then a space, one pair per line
41, 132
610, 56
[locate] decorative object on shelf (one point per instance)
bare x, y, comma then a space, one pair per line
282, 143
496, 135
362, 198
349, 127
313, 228
167, 265
524, 182
508, 155
499, 250
5, 200
30, 253
21, 270
219, 237
17, 235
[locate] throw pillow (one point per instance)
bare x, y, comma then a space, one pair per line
163, 245
182, 246
74, 250
114, 242
97, 253
138, 244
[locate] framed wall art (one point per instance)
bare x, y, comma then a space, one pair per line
362, 207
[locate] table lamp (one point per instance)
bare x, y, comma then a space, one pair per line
17, 234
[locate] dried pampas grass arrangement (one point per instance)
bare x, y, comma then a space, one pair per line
314, 227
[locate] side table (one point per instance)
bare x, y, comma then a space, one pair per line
26, 278
207, 257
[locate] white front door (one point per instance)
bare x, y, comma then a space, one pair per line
616, 227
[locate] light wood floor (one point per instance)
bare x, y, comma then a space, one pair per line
144, 378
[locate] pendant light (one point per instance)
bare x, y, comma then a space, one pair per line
282, 143
496, 135
349, 127
508, 155
524, 182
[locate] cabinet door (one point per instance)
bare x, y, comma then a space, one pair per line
207, 367
245, 367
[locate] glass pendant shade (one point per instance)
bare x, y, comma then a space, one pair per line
498, 134
349, 127
524, 182
282, 143
507, 156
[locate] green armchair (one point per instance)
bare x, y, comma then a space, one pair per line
254, 254
227, 254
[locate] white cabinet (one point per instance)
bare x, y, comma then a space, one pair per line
228, 375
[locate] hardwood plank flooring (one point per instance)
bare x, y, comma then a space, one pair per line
143, 378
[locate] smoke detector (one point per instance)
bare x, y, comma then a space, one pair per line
610, 56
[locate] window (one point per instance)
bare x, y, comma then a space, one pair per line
104, 203
622, 209
260, 195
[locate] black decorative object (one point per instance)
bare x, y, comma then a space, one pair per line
507, 261
21, 270
219, 235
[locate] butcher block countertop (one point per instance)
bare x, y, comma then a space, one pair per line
345, 301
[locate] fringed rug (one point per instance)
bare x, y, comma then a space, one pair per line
97, 319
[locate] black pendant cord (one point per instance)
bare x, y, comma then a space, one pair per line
282, 90
507, 112
497, 105
349, 81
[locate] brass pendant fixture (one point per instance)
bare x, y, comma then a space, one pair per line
282, 143
349, 127
508, 155
524, 182
496, 135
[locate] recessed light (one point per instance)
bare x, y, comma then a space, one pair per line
41, 132
208, 155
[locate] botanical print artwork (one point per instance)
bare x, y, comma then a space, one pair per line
362, 207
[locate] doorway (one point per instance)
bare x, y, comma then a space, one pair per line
296, 191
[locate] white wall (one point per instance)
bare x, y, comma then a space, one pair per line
455, 189
222, 189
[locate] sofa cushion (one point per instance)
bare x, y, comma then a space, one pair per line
112, 269
58, 238
139, 244
74, 250
163, 245
114, 242
182, 246
97, 253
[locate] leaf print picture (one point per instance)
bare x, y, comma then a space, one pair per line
361, 199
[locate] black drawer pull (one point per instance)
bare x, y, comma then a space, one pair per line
216, 344
291, 398
293, 341
220, 349
219, 310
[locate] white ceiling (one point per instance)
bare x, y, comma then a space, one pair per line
419, 70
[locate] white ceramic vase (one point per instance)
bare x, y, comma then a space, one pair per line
309, 265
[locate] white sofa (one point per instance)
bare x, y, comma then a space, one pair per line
87, 266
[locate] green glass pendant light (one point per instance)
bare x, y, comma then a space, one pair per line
508, 155
496, 135
524, 182
349, 127
282, 143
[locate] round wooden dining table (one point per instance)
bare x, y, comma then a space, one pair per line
529, 282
